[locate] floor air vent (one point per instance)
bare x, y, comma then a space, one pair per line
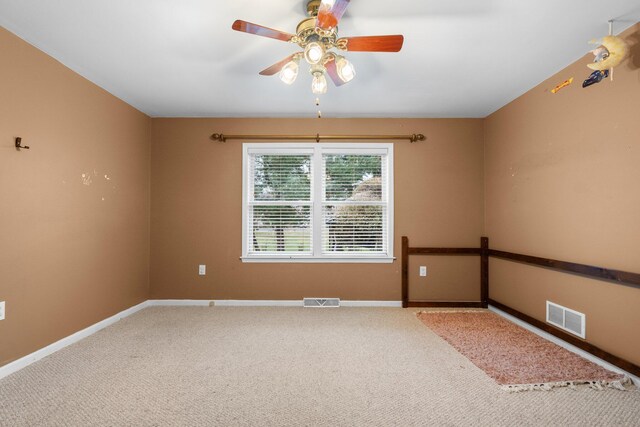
567, 319
321, 302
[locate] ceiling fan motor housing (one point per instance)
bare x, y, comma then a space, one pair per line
307, 32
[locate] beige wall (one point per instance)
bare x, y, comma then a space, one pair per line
562, 181
196, 188
70, 254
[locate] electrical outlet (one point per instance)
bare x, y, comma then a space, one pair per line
202, 269
1, 310
423, 270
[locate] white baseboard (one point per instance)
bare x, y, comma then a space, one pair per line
358, 303
257, 303
223, 303
178, 302
27, 360
267, 303
566, 345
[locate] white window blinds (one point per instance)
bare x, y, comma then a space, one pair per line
355, 204
317, 202
280, 204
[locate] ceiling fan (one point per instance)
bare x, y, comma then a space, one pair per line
317, 35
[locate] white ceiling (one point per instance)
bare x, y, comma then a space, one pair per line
170, 58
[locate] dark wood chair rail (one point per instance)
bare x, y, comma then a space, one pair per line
622, 277
444, 251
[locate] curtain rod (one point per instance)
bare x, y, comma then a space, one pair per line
317, 137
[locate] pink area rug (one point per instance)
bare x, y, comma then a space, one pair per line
514, 357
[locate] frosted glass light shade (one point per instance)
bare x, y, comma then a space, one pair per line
289, 72
345, 69
313, 53
319, 84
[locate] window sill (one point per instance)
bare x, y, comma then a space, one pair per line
350, 260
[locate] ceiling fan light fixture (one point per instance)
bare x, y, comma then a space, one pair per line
313, 53
319, 83
345, 69
289, 72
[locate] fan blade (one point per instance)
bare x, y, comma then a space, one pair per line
330, 12
332, 71
259, 30
373, 43
275, 68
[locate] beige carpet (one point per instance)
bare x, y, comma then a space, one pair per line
514, 356
227, 366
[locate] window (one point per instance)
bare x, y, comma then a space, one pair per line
317, 202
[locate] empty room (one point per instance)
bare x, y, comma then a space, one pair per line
319, 212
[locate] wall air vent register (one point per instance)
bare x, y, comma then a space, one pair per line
566, 319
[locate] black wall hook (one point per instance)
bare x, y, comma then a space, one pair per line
19, 144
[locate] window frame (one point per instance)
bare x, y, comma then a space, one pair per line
317, 202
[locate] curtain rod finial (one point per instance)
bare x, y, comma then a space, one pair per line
417, 137
218, 137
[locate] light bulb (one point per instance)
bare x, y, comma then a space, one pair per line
313, 53
289, 72
345, 69
319, 83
